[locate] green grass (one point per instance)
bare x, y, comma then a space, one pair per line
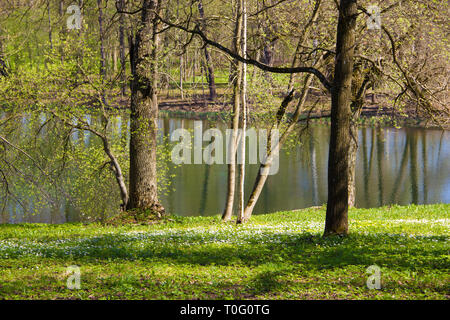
276, 256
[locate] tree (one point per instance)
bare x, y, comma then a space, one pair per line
336, 221
121, 6
209, 66
237, 98
144, 110
262, 173
102, 48
409, 58
240, 58
243, 121
3, 67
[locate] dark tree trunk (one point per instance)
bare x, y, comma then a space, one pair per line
50, 36
267, 57
211, 79
144, 112
102, 48
209, 66
337, 207
3, 67
62, 32
123, 76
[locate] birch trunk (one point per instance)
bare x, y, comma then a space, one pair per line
241, 216
231, 182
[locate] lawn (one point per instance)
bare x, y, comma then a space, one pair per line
276, 256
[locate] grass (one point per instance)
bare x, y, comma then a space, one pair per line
276, 256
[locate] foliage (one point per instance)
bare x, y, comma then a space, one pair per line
276, 256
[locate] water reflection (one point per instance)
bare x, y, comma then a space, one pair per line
401, 166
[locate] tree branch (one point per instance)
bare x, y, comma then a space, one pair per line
206, 40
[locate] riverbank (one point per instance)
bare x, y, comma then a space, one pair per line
276, 256
199, 107
380, 114
373, 114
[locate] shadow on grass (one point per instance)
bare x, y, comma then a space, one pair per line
311, 251
278, 265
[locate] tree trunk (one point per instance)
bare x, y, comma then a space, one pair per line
267, 56
50, 29
231, 183
117, 173
62, 32
102, 49
241, 197
337, 206
144, 112
123, 76
3, 67
209, 66
261, 178
263, 169
114, 60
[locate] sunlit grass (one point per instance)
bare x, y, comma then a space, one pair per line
276, 256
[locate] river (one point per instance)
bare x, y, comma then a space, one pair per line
394, 166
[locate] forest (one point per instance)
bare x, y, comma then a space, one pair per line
224, 149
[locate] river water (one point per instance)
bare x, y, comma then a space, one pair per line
394, 166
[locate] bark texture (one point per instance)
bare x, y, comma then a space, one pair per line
243, 120
231, 181
337, 207
144, 111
